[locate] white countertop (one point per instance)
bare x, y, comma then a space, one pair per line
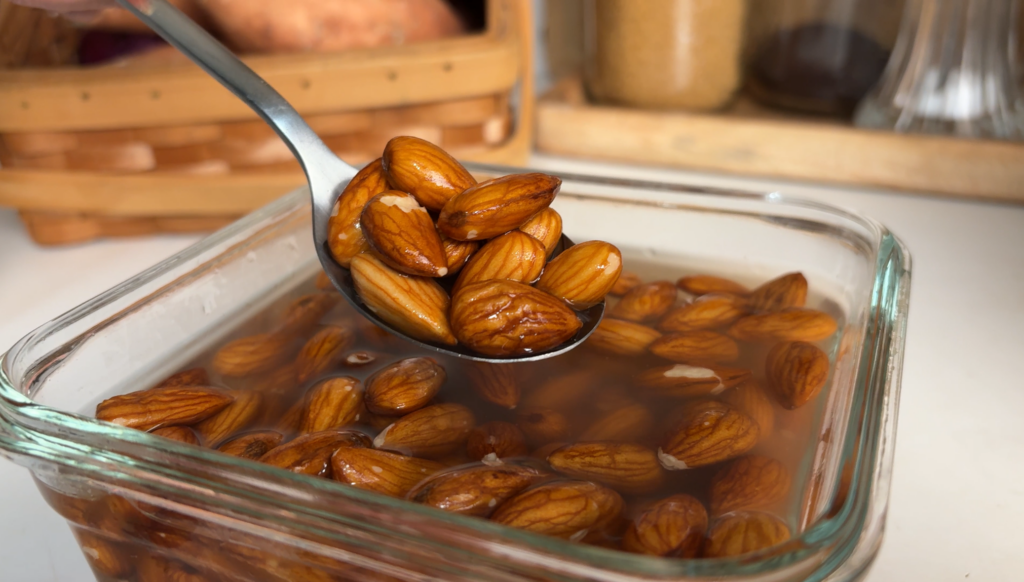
957, 504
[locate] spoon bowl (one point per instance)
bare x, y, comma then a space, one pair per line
326, 173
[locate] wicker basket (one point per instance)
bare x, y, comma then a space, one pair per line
153, 144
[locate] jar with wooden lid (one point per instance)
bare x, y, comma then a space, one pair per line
664, 54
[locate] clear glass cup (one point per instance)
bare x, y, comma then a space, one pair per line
951, 73
128, 493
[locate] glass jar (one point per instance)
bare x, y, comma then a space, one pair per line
819, 56
952, 73
664, 54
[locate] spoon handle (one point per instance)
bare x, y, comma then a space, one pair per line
204, 50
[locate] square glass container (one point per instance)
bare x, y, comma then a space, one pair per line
185, 503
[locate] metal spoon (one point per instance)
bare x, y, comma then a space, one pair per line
327, 174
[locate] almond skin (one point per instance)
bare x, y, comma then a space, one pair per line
796, 372
621, 337
433, 431
562, 509
238, 415
403, 235
515, 256
583, 274
499, 438
672, 527
416, 306
505, 318
388, 473
495, 383
344, 233
424, 170
332, 403
743, 532
311, 454
322, 351
789, 290
630, 423
191, 377
624, 467
705, 312
404, 386
686, 381
565, 392
304, 313
751, 398
624, 283
457, 253
156, 407
182, 434
476, 491
645, 302
791, 324
750, 482
542, 425
696, 347
251, 445
708, 432
253, 354
497, 206
704, 284
545, 226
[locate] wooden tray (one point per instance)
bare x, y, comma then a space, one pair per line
753, 141
125, 150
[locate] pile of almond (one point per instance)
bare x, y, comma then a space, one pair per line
416, 215
676, 430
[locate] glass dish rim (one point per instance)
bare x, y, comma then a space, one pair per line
15, 406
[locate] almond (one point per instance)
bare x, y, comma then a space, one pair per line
751, 399
624, 467
704, 284
545, 226
495, 383
360, 358
515, 256
630, 423
105, 557
696, 347
322, 351
433, 431
182, 434
542, 425
750, 482
403, 235
743, 532
304, 313
252, 445
672, 527
789, 290
332, 403
496, 206
791, 324
156, 407
380, 471
155, 568
311, 454
645, 302
279, 383
621, 337
583, 274
686, 381
498, 438
404, 386
290, 421
565, 392
476, 491
564, 509
415, 306
708, 432
624, 283
323, 282
796, 372
344, 233
457, 253
253, 354
504, 318
238, 415
705, 312
191, 377
424, 170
